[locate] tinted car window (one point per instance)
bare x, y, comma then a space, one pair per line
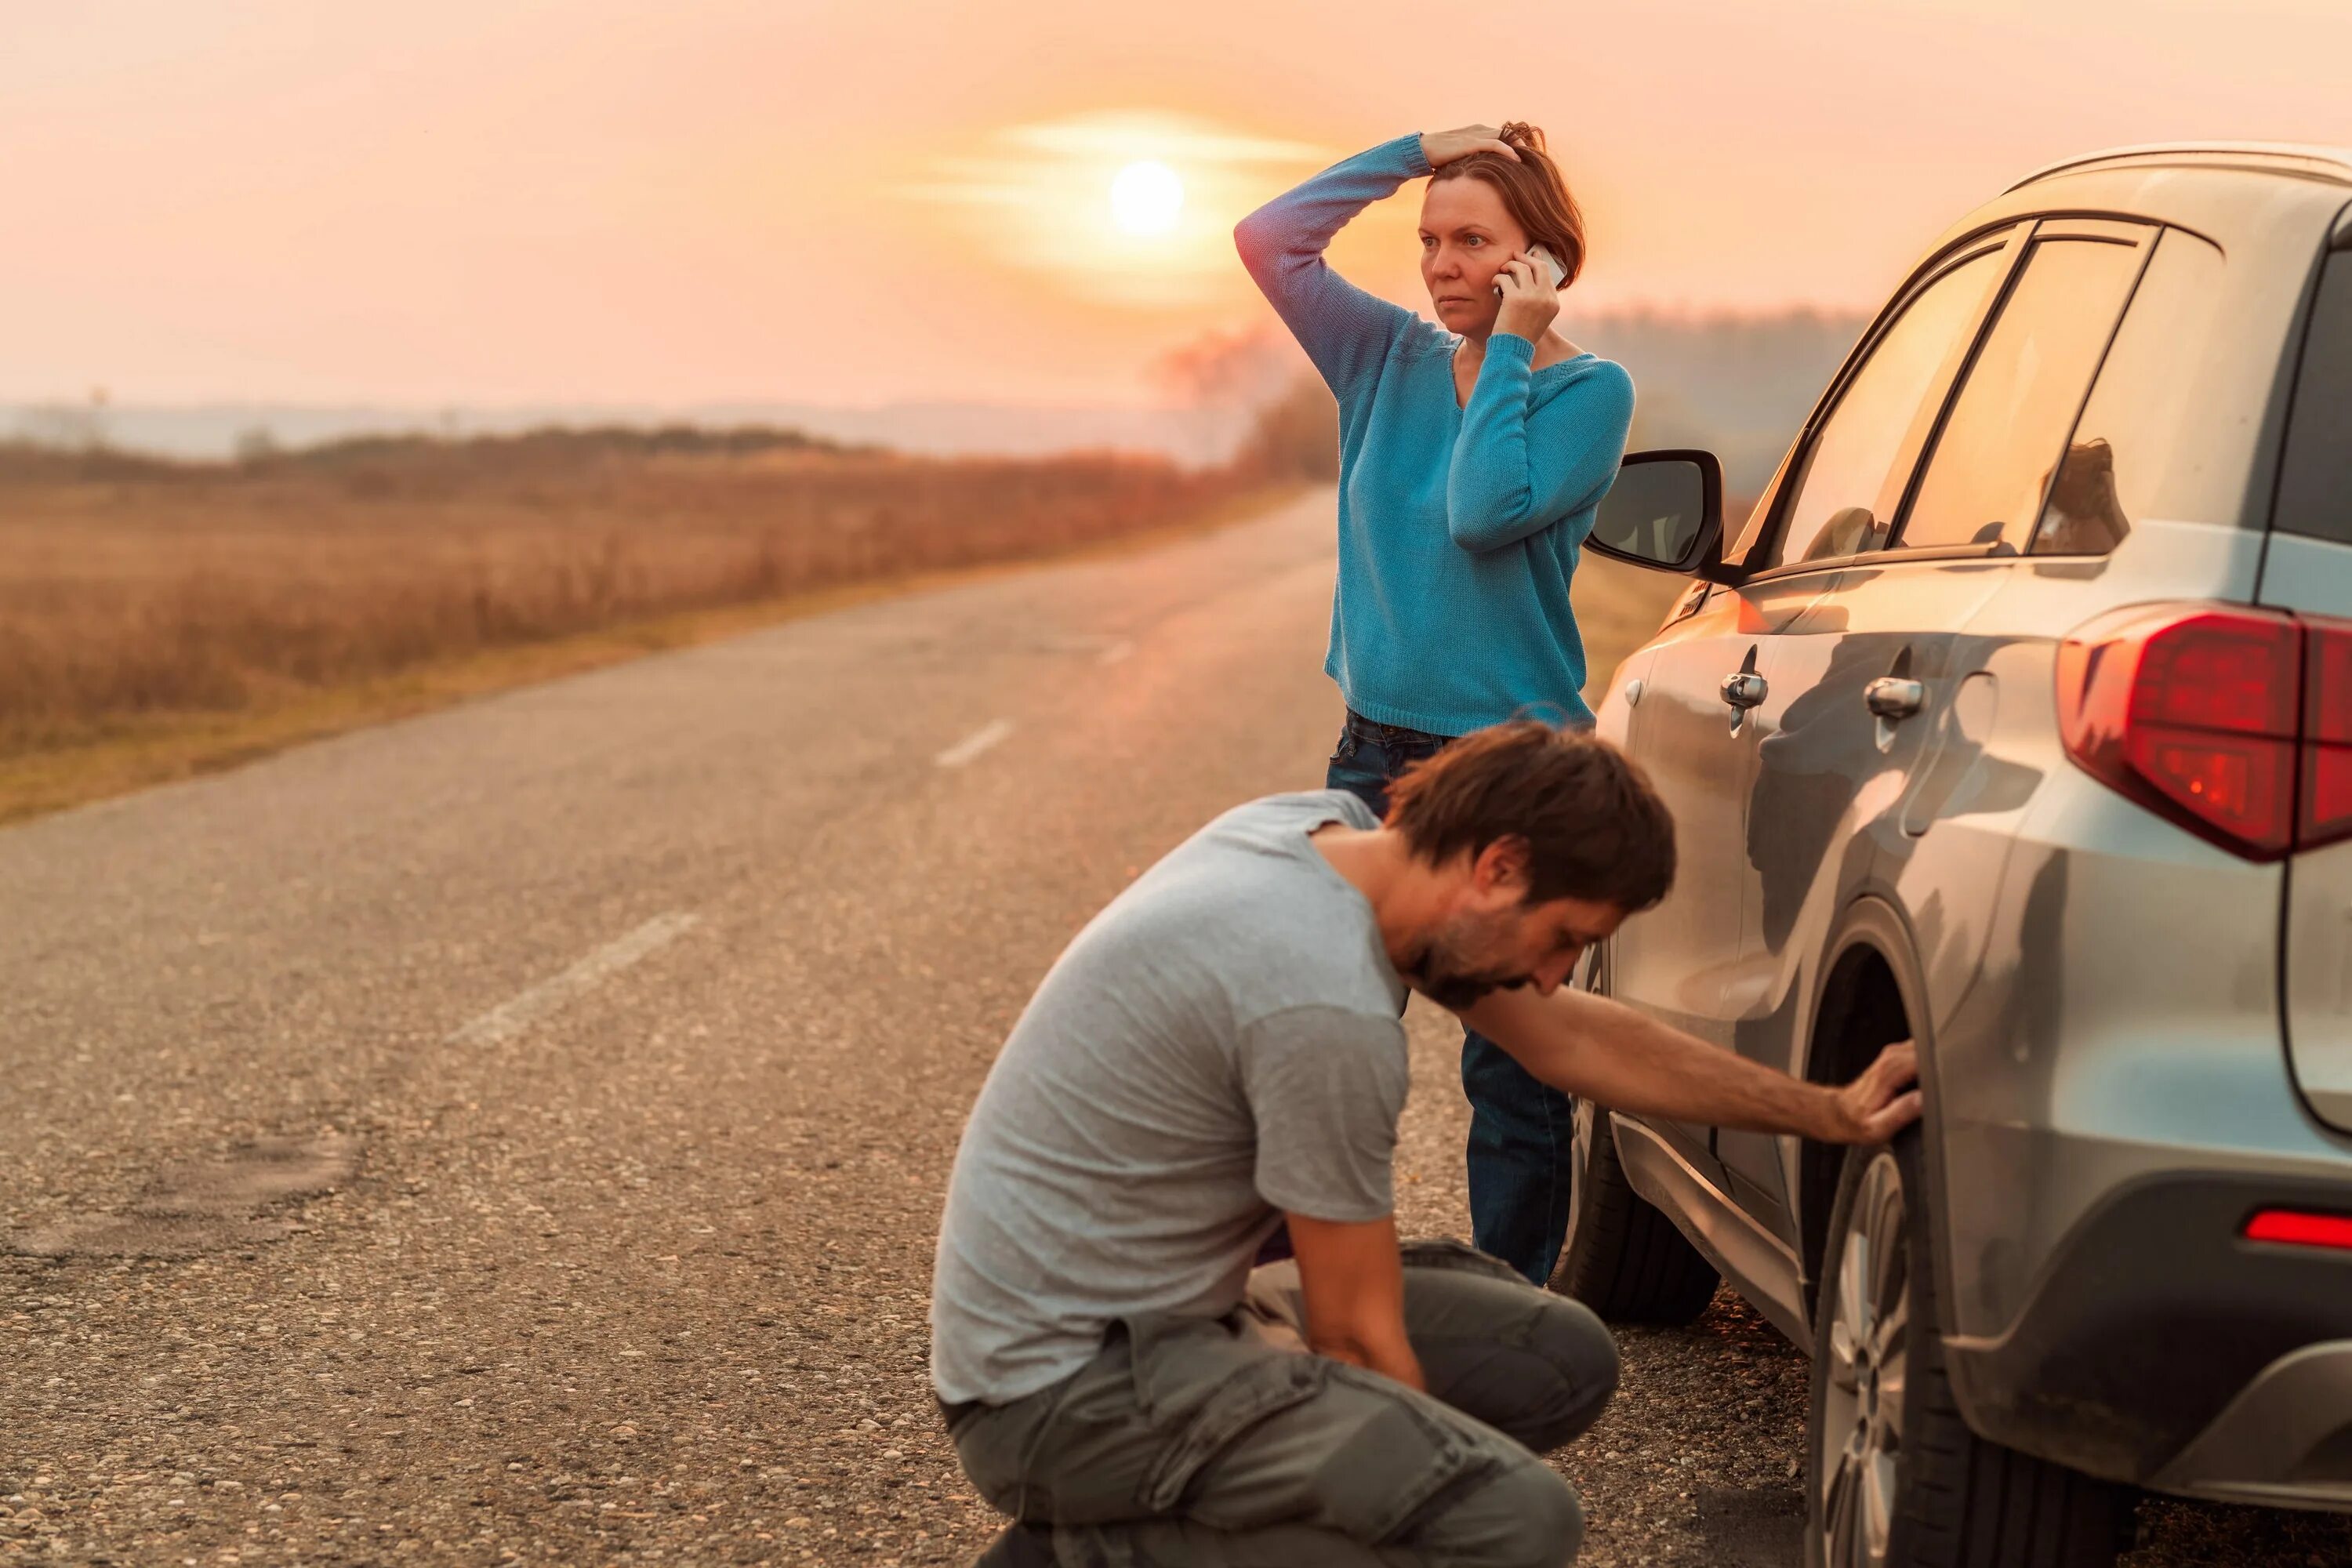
2008, 428
2315, 485
2142, 417
1845, 500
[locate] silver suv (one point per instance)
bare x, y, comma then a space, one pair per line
2018, 719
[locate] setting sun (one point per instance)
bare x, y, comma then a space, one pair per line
1146, 198
1096, 202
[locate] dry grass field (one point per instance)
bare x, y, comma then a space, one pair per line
162, 618
159, 618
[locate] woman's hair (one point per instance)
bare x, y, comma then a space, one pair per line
1533, 193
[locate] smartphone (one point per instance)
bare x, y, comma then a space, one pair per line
1549, 262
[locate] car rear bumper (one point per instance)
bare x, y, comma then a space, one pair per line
2162, 1348
2286, 1438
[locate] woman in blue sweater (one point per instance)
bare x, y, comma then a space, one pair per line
1472, 454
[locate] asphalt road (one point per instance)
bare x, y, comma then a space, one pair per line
517, 1134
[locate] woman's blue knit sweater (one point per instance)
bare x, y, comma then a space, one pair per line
1459, 527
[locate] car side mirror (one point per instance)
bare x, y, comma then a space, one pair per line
1664, 512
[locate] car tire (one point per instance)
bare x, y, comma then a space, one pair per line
1624, 1257
1894, 1479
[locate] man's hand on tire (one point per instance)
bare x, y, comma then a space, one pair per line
1880, 1103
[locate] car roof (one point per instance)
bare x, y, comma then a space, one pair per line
2308, 160
2279, 200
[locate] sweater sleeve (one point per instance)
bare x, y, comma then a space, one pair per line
1513, 474
1345, 331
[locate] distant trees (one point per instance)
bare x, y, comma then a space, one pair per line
1295, 436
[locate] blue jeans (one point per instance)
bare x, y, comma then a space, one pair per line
1522, 1131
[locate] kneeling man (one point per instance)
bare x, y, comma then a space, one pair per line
1218, 1052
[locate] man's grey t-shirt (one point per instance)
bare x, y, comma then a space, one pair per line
1220, 1043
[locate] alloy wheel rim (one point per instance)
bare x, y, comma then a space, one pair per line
1862, 1420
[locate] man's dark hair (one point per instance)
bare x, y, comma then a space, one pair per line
1595, 827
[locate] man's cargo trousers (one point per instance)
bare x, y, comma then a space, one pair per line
1222, 1443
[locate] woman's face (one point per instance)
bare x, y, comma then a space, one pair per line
1466, 234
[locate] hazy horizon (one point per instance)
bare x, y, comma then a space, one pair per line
1735, 382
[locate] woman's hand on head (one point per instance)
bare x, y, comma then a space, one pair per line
1441, 147
1529, 302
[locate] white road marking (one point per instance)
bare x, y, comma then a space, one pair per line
973, 744
1116, 652
511, 1017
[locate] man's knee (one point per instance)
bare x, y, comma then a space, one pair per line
1580, 1349
1539, 1367
1581, 1357
1551, 1516
1523, 1516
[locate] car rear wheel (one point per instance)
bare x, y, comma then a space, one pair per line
1895, 1479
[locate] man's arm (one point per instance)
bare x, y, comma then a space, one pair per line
1603, 1050
1353, 1280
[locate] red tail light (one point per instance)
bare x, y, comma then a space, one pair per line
2298, 1229
2235, 723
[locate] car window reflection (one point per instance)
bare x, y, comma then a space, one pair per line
2084, 515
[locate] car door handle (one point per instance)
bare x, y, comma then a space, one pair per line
1744, 691
1891, 696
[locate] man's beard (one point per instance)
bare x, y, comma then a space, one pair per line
1445, 973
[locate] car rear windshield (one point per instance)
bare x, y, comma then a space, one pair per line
2315, 494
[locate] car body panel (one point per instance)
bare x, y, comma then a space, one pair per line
2103, 1000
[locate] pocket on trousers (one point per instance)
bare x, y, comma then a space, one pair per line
1445, 1252
1267, 1384
1388, 1460
1410, 1462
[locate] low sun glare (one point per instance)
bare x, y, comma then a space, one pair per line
1129, 207
1145, 198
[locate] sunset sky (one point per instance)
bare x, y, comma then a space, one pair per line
486, 201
